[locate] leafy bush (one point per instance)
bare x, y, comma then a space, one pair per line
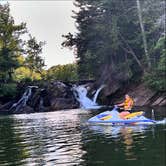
156, 78
8, 90
24, 73
66, 72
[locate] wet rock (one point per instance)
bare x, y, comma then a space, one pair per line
62, 103
26, 110
53, 96
6, 105
142, 95
161, 100
57, 89
59, 96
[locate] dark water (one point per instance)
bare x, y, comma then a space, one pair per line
64, 138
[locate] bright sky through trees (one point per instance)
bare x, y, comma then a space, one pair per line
47, 21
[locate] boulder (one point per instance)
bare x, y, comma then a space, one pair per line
6, 105
25, 110
62, 103
57, 89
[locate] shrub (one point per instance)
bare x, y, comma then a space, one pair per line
8, 90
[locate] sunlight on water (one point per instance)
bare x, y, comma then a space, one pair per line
65, 138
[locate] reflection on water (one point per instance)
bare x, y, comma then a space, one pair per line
126, 135
41, 138
64, 138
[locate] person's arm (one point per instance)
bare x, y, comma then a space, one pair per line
119, 105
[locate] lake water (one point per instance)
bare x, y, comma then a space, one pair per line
63, 138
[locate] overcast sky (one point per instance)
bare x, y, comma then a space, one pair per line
47, 21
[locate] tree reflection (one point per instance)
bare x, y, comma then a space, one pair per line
11, 150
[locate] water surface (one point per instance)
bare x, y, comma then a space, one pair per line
63, 138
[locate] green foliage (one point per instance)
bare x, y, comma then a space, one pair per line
8, 90
12, 48
66, 72
156, 79
10, 43
19, 60
33, 60
99, 44
24, 73
109, 42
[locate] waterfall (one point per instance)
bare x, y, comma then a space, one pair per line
97, 93
80, 93
24, 99
41, 104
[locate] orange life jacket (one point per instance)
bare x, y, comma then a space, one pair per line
128, 104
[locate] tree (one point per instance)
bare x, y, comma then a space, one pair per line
66, 72
10, 43
116, 39
16, 55
156, 77
33, 60
143, 33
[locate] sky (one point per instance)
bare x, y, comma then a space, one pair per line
47, 21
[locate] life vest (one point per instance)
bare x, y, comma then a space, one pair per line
128, 104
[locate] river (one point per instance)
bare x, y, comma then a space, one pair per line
64, 138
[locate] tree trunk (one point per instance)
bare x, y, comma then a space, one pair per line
130, 51
143, 33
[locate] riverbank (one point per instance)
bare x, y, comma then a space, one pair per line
142, 95
56, 95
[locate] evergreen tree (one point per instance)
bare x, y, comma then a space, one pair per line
33, 60
116, 39
10, 43
16, 55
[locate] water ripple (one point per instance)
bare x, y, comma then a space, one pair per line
63, 138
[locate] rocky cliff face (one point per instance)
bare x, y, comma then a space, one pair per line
52, 96
142, 95
57, 96
117, 84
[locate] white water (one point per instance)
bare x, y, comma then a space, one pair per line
161, 121
97, 93
24, 99
80, 93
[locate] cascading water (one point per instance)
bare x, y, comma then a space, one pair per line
80, 92
97, 93
24, 99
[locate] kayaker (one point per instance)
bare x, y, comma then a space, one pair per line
127, 104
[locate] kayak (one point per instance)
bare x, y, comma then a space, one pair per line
113, 117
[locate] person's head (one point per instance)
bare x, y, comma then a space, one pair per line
127, 96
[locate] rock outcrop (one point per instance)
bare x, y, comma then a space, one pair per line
142, 95
58, 96
50, 97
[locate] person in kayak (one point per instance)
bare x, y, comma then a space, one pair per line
127, 105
